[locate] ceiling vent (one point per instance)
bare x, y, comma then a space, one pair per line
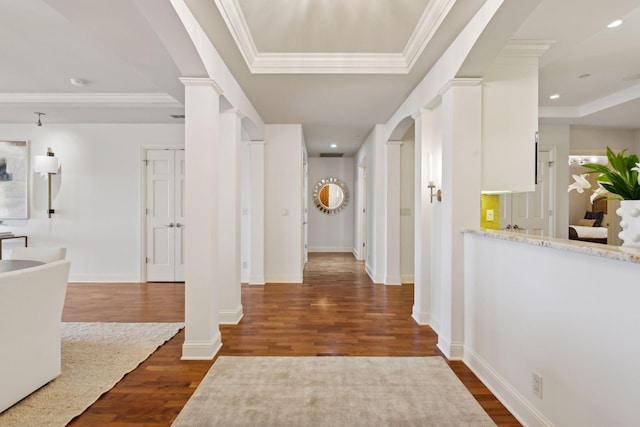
331, 154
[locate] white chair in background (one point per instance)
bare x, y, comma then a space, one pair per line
39, 254
31, 303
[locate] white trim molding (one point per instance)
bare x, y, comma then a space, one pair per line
452, 351
201, 350
127, 99
231, 317
516, 403
329, 62
202, 81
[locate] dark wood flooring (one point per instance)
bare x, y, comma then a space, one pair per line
337, 311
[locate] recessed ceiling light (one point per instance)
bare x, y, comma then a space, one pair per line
584, 76
554, 96
615, 23
78, 82
334, 145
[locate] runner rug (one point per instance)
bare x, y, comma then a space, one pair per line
331, 391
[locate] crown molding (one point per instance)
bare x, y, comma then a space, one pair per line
160, 99
333, 63
202, 81
426, 28
329, 63
526, 48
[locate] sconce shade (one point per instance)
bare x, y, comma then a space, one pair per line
46, 164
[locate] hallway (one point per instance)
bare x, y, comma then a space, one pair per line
336, 311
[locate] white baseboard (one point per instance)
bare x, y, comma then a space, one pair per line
201, 350
393, 281
423, 318
256, 280
331, 249
231, 317
515, 402
408, 279
294, 278
369, 271
452, 351
90, 278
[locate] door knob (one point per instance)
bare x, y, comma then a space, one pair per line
170, 225
515, 227
179, 225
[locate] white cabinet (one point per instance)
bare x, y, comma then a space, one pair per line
510, 118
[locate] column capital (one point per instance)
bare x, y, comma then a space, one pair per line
462, 82
419, 113
201, 81
395, 143
256, 142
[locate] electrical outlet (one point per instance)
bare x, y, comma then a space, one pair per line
536, 384
489, 214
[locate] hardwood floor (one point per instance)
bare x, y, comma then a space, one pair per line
337, 311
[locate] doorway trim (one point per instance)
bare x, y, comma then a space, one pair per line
143, 201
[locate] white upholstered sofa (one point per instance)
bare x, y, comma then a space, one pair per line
31, 302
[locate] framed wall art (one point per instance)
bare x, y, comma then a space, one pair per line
14, 179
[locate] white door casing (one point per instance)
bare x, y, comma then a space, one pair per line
165, 215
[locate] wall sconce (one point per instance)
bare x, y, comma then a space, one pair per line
45, 166
432, 186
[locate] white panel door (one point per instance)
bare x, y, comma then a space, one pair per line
529, 212
179, 216
165, 215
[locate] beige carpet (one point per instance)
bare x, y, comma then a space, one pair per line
95, 356
331, 391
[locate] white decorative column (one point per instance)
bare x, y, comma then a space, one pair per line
423, 208
460, 167
229, 237
392, 226
256, 274
202, 336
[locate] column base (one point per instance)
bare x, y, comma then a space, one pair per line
202, 350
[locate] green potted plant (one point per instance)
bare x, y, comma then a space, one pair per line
620, 180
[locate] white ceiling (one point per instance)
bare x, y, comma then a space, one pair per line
125, 49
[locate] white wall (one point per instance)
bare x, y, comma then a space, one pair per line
570, 317
97, 195
331, 233
371, 155
407, 221
283, 203
595, 140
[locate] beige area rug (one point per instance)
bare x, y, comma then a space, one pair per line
95, 356
331, 391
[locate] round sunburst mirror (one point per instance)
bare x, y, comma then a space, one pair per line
330, 195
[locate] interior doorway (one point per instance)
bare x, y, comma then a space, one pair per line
532, 212
164, 219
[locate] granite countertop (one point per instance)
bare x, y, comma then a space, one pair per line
596, 249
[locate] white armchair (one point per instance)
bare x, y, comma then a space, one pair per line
39, 254
31, 302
